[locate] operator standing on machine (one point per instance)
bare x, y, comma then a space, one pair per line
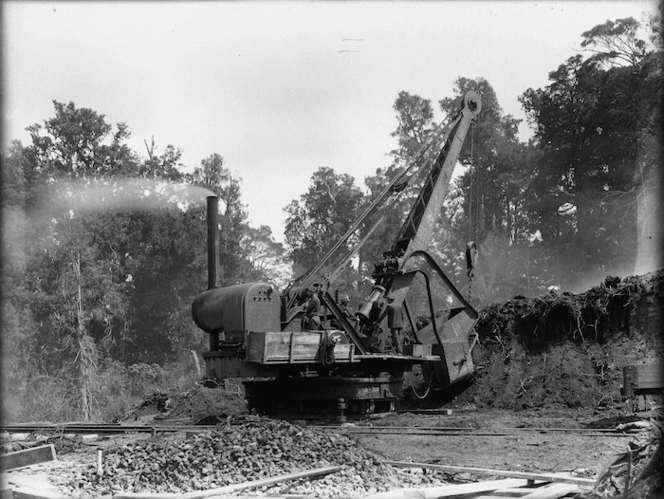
394, 314
343, 306
311, 320
344, 302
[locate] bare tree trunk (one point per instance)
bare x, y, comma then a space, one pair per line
649, 253
83, 355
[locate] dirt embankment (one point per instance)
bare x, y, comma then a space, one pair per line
566, 350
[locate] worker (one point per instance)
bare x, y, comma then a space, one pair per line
394, 314
311, 320
370, 329
377, 311
344, 303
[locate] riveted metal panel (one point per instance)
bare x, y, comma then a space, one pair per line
262, 309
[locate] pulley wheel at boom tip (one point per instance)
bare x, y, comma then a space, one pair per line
473, 102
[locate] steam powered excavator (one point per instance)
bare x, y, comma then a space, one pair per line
256, 332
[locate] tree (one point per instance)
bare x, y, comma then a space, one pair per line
167, 166
414, 131
591, 123
111, 249
78, 288
164, 254
15, 184
266, 256
490, 184
321, 217
615, 43
81, 258
414, 125
71, 144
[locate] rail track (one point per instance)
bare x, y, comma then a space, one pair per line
352, 429
101, 428
473, 432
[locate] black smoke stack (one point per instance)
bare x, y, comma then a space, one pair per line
212, 239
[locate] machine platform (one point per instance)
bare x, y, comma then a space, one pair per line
361, 395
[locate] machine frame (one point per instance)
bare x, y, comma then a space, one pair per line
254, 330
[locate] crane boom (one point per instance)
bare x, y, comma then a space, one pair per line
417, 231
385, 198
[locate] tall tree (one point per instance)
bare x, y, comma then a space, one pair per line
164, 260
486, 204
414, 125
84, 262
591, 123
615, 43
414, 130
490, 153
266, 256
79, 143
76, 144
320, 217
111, 250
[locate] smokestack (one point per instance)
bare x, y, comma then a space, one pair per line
212, 239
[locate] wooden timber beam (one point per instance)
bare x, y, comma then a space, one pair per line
547, 477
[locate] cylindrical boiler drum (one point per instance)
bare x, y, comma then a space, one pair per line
236, 310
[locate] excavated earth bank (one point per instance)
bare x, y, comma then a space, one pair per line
566, 350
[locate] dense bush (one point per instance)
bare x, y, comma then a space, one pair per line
115, 390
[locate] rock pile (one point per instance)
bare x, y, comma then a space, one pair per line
259, 448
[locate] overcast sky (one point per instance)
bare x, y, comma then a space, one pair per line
278, 89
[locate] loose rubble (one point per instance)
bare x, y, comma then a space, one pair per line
637, 472
199, 404
61, 443
257, 449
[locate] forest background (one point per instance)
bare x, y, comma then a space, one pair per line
104, 247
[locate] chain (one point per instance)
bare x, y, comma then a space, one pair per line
428, 388
470, 286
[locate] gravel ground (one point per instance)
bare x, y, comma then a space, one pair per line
262, 447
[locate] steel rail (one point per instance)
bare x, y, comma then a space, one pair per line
456, 431
100, 428
478, 434
104, 428
461, 428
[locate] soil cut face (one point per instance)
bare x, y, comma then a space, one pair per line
567, 350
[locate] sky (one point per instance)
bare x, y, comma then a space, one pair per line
278, 89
